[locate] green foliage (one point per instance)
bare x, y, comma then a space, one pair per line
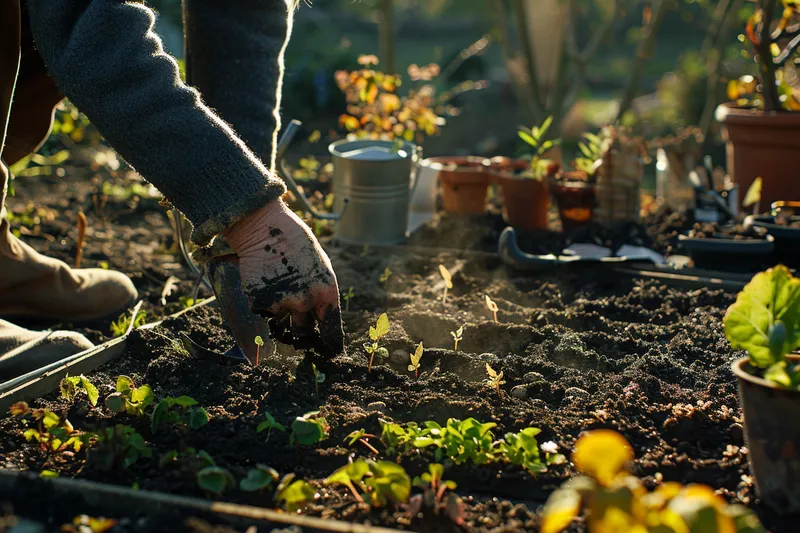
415, 359
309, 429
120, 326
535, 137
53, 432
128, 398
347, 296
377, 482
259, 478
215, 480
592, 152
269, 424
71, 385
522, 449
118, 447
319, 377
765, 321
376, 333
294, 494
433, 480
178, 410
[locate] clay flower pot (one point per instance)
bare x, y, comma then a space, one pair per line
464, 182
772, 435
526, 201
575, 198
766, 145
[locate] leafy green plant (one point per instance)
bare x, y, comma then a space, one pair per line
269, 424
308, 429
215, 480
128, 398
765, 321
380, 482
347, 296
495, 379
448, 281
592, 152
294, 494
71, 385
522, 449
53, 432
120, 326
178, 410
458, 336
319, 377
118, 447
361, 436
415, 358
259, 479
535, 137
614, 500
376, 333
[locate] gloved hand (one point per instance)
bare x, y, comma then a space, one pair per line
284, 270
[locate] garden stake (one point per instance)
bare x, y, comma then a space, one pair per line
81, 236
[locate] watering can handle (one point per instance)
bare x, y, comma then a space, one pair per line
286, 173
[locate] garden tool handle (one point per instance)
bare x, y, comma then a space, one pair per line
286, 173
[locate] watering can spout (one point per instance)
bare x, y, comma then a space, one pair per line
286, 173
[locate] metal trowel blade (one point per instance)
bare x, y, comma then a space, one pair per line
245, 325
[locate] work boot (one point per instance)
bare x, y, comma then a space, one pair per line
23, 350
35, 286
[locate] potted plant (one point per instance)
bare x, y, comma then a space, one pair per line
765, 321
762, 128
524, 184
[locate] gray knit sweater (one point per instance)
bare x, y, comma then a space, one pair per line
105, 57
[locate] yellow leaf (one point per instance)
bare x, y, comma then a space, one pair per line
602, 454
753, 195
561, 509
491, 371
19, 408
382, 325
417, 355
448, 279
491, 305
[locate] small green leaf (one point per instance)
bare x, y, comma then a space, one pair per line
143, 396
91, 391
259, 478
184, 401
124, 384
215, 480
167, 458
198, 418
382, 326
293, 494
350, 473
545, 125
777, 373
525, 136
158, 415
116, 402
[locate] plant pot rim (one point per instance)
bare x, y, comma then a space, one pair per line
469, 163
738, 369
714, 244
781, 232
730, 113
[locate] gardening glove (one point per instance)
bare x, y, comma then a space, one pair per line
285, 271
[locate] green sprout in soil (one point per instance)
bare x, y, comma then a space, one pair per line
380, 482
186, 301
387, 273
309, 429
118, 447
376, 333
433, 481
361, 436
71, 385
269, 424
458, 336
448, 281
540, 166
128, 398
765, 321
495, 379
53, 432
592, 154
492, 307
319, 377
415, 358
294, 494
347, 297
120, 326
433, 497
178, 410
259, 479
259, 343
215, 480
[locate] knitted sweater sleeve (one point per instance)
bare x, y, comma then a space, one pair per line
106, 58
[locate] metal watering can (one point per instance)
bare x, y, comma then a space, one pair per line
372, 186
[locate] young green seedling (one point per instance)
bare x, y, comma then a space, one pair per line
215, 480
361, 436
70, 386
259, 478
492, 306
534, 137
269, 424
309, 429
376, 333
448, 281
120, 326
259, 343
381, 482
118, 448
495, 379
347, 297
319, 377
178, 410
52, 432
432, 479
458, 336
415, 357
294, 494
128, 398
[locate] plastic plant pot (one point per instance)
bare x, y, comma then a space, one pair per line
787, 239
772, 435
576, 200
730, 255
526, 201
464, 183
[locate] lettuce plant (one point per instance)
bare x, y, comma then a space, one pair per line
361, 436
71, 385
319, 377
432, 480
376, 333
259, 478
294, 494
376, 482
178, 410
765, 321
128, 398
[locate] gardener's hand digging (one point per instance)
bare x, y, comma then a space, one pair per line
285, 271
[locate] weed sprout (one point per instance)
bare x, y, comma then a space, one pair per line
458, 336
492, 306
448, 281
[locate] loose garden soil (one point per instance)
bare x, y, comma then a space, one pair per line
582, 349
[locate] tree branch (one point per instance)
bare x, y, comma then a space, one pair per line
598, 37
503, 33
527, 48
714, 62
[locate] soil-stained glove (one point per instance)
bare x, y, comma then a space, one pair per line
284, 270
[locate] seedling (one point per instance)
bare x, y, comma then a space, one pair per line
178, 410
376, 333
415, 357
615, 500
753, 196
259, 479
119, 447
448, 281
765, 321
387, 273
215, 480
120, 326
319, 377
495, 379
535, 138
71, 385
592, 153
309, 429
269, 424
361, 437
294, 494
380, 482
492, 307
522, 449
347, 297
128, 398
81, 225
52, 432
259, 343
458, 336
432, 480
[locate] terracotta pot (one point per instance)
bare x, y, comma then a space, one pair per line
772, 435
766, 145
464, 182
526, 201
575, 198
